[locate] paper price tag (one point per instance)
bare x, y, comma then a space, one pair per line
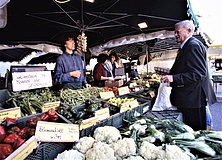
48, 106
123, 90
124, 107
133, 104
56, 132
88, 122
11, 112
131, 85
106, 95
102, 113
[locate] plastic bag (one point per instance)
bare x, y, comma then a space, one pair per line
163, 98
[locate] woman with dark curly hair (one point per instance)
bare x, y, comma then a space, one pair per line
99, 73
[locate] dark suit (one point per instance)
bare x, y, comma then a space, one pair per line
191, 83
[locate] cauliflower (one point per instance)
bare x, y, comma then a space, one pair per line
100, 151
148, 150
134, 158
123, 148
107, 134
172, 152
84, 144
71, 154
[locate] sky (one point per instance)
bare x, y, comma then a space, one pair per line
210, 21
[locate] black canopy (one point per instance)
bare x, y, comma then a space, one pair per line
45, 21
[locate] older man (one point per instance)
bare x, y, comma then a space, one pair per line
191, 87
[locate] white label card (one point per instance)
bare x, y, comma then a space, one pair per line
56, 132
31, 80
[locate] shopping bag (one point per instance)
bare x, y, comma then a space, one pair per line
163, 98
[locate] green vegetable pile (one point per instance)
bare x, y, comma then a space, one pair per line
78, 97
200, 144
31, 102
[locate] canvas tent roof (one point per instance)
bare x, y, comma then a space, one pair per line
45, 21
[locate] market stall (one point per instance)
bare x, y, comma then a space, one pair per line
78, 117
39, 121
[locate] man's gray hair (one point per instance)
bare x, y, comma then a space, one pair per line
187, 24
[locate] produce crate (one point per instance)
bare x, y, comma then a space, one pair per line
4, 96
142, 101
141, 109
116, 120
144, 94
87, 124
48, 151
22, 120
167, 114
116, 83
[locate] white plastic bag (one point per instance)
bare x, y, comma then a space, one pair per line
163, 98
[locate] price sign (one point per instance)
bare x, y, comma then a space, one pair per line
88, 122
106, 95
133, 104
102, 113
56, 132
131, 85
24, 150
48, 106
124, 107
123, 90
31, 80
11, 112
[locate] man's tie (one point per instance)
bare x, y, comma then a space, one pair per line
178, 52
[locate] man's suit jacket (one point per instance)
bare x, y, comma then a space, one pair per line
191, 83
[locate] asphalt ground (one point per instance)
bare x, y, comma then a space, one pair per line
216, 109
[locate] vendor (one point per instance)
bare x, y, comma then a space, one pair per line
111, 64
134, 73
69, 67
99, 72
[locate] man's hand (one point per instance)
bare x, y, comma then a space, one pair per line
76, 73
87, 85
111, 78
167, 78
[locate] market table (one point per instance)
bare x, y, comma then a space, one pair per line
216, 78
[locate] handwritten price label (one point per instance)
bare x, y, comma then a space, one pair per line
48, 106
102, 113
12, 113
124, 107
88, 122
123, 90
106, 95
56, 132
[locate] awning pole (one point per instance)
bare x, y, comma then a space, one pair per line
147, 57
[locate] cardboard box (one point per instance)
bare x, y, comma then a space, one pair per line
117, 83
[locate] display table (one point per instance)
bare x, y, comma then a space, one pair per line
216, 78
